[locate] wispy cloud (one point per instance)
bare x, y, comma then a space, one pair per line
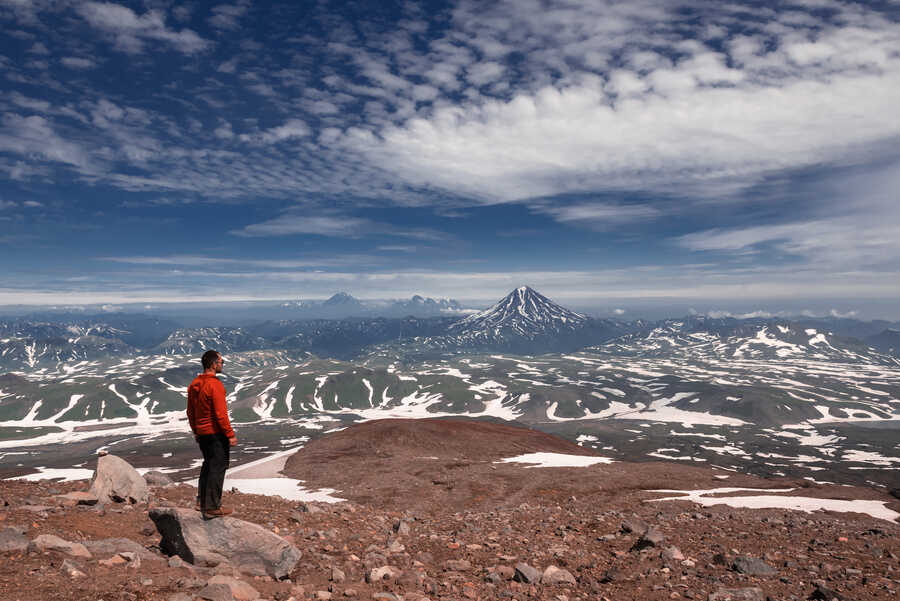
131, 31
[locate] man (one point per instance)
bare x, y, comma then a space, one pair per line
208, 415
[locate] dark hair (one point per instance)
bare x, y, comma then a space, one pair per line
209, 359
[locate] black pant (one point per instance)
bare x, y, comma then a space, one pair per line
215, 449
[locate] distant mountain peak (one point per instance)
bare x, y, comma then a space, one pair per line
524, 311
341, 298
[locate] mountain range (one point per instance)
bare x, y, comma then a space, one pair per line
523, 322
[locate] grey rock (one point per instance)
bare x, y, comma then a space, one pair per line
457, 565
752, 566
118, 545
553, 576
176, 562
386, 596
116, 481
49, 542
527, 574
72, 570
157, 478
323, 596
672, 554
651, 538
254, 549
382, 573
823, 592
12, 541
401, 528
240, 590
337, 575
634, 525
216, 592
751, 593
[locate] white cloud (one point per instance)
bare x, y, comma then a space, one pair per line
227, 16
322, 225
75, 62
130, 31
34, 134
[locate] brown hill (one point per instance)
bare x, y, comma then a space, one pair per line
433, 465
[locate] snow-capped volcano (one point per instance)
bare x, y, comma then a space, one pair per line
523, 312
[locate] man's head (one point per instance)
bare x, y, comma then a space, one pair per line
212, 360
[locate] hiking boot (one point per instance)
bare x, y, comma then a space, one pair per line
217, 513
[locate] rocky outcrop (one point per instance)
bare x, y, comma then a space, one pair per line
250, 548
116, 481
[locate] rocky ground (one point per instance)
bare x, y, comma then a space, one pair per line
430, 515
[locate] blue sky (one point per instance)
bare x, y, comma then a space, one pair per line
727, 156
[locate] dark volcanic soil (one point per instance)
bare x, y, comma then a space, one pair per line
470, 522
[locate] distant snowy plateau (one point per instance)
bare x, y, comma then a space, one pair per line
771, 397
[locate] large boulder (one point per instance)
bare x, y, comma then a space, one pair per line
115, 480
251, 548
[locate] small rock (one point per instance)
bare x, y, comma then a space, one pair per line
457, 565
823, 592
752, 566
12, 541
157, 478
176, 562
337, 575
72, 570
527, 574
49, 542
240, 590
323, 596
382, 573
751, 593
651, 538
386, 596
401, 528
553, 575
634, 526
672, 554
216, 592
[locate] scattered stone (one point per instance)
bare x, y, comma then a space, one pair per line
672, 554
72, 570
240, 590
634, 526
308, 508
651, 538
382, 573
176, 562
387, 596
180, 597
752, 566
49, 542
751, 593
115, 480
216, 592
610, 575
527, 574
337, 575
12, 541
77, 498
157, 478
323, 596
257, 550
457, 565
118, 545
553, 575
823, 592
401, 528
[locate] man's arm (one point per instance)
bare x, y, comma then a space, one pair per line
220, 411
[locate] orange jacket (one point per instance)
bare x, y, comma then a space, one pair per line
206, 408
